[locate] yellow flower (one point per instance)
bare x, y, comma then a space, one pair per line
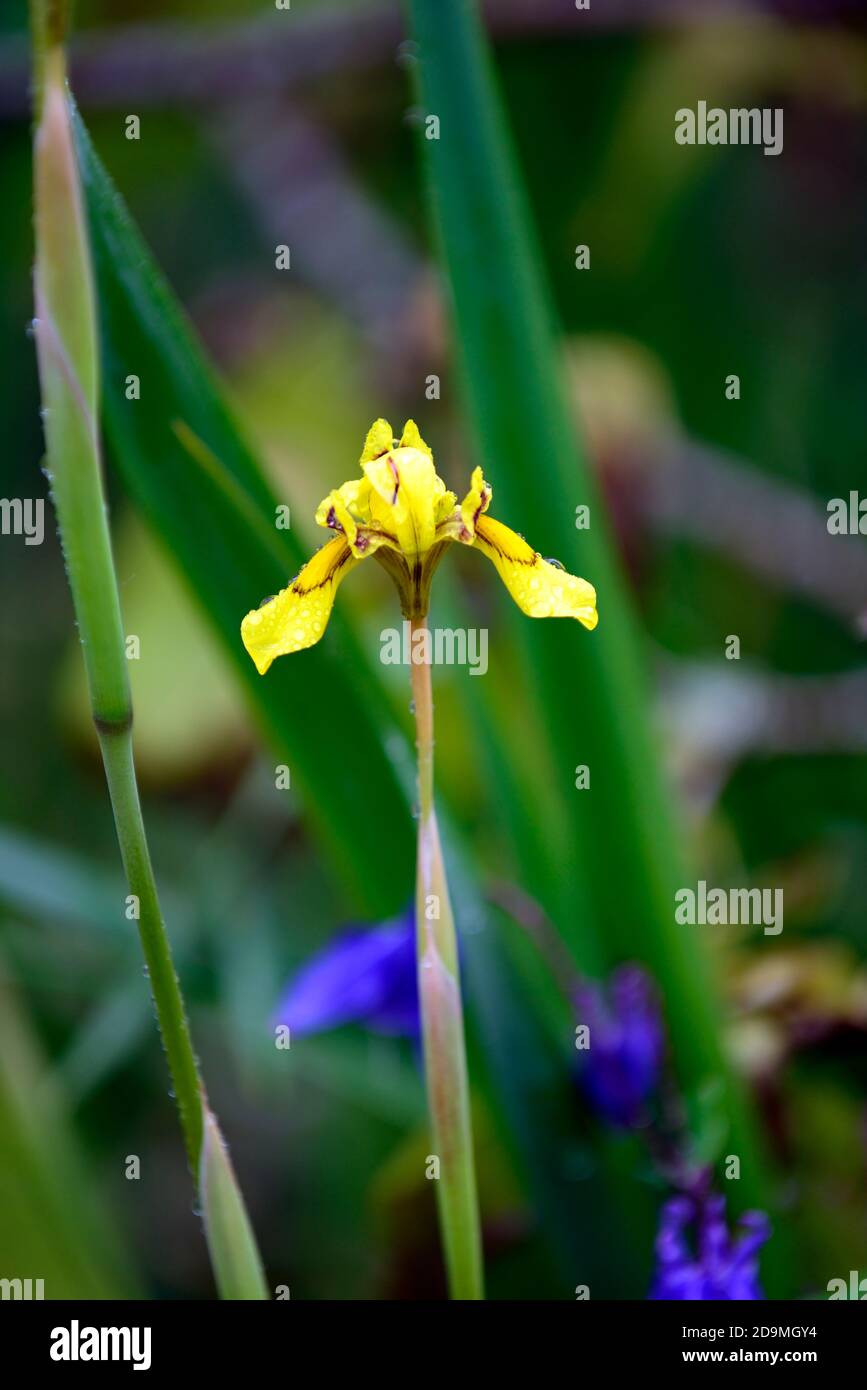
401, 512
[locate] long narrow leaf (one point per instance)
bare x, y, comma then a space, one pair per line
234, 1255
66, 342
619, 845
169, 447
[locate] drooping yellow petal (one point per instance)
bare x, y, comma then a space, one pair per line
299, 614
379, 440
540, 589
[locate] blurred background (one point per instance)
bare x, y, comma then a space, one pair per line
704, 262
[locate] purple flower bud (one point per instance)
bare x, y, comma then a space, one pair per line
696, 1256
623, 1063
364, 975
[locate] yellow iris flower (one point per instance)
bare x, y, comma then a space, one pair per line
401, 512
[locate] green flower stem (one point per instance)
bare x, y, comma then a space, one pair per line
117, 757
66, 347
442, 1018
66, 343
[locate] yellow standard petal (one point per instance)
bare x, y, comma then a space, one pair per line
540, 589
379, 440
299, 614
411, 439
406, 491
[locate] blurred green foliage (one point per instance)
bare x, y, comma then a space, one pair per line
722, 262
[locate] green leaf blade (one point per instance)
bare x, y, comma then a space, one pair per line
234, 1255
592, 691
323, 721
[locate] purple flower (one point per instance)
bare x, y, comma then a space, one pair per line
623, 1062
698, 1259
364, 975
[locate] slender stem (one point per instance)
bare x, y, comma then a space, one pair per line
66, 343
441, 1014
189, 1090
68, 363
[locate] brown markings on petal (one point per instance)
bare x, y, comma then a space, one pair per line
481, 507
396, 475
528, 560
337, 565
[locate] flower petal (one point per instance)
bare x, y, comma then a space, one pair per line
379, 440
347, 509
445, 508
299, 614
540, 589
405, 494
476, 502
334, 514
364, 975
411, 439
623, 1066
